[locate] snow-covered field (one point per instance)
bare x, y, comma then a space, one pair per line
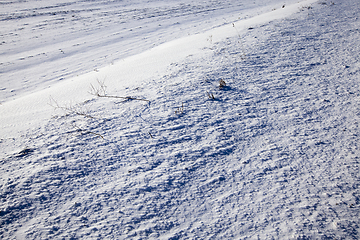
70, 37
164, 151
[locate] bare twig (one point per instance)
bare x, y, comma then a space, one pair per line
72, 109
211, 96
243, 56
127, 98
101, 92
83, 131
151, 135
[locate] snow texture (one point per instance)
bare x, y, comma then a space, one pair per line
154, 147
68, 38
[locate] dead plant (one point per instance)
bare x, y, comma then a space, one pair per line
84, 131
70, 109
222, 84
211, 96
100, 91
180, 110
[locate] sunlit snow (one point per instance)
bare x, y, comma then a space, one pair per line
179, 119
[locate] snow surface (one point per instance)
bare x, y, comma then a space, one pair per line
68, 38
274, 154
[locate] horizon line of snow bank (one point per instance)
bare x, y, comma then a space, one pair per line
31, 110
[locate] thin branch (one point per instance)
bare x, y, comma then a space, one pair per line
86, 131
211, 96
151, 135
101, 92
243, 57
69, 110
127, 98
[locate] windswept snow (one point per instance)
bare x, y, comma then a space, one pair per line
274, 154
69, 38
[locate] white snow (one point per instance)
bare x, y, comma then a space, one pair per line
69, 38
274, 155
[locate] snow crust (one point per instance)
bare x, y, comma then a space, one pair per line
165, 151
69, 38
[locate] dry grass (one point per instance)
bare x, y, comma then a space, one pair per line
180, 110
222, 84
211, 96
